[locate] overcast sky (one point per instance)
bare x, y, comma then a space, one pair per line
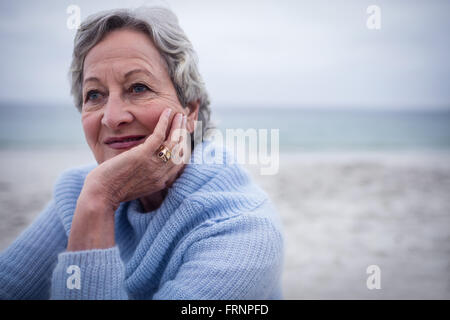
254, 53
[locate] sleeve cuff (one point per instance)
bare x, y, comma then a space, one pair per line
90, 274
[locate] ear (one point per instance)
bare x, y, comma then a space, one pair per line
193, 107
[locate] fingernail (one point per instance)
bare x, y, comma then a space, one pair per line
168, 112
184, 120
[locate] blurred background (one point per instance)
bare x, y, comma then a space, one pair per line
363, 117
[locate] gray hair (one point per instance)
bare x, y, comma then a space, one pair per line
161, 25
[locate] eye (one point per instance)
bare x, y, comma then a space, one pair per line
93, 95
138, 88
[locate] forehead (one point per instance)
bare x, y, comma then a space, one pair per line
120, 48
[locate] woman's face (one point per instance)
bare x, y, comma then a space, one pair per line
126, 86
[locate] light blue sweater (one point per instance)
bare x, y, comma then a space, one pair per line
215, 236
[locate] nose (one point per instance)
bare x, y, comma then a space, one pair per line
115, 113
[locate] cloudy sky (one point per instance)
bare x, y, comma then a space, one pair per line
313, 53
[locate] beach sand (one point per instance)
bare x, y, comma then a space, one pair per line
341, 213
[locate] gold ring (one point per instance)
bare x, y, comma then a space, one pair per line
164, 153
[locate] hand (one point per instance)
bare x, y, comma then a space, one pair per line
138, 172
130, 175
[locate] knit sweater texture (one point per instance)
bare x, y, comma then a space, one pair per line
215, 236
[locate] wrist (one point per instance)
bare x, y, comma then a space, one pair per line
92, 225
94, 204
96, 194
93, 221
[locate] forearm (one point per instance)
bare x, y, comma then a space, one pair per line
92, 224
91, 267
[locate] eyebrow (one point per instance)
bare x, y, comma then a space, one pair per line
127, 75
91, 79
134, 71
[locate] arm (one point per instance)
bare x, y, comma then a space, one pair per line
26, 266
91, 268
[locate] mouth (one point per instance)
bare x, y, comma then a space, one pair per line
124, 142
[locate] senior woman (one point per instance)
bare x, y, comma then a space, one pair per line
141, 224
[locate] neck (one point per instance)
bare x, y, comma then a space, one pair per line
153, 201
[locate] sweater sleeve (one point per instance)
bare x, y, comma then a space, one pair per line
240, 258
26, 265
89, 275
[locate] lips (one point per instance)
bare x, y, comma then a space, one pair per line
124, 142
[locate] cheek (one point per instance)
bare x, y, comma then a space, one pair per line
149, 117
91, 127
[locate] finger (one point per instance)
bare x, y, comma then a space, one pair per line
181, 148
159, 133
176, 132
184, 142
184, 126
176, 159
185, 149
174, 135
183, 132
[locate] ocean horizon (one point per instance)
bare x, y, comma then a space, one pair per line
300, 129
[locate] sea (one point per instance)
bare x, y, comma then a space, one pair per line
299, 128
